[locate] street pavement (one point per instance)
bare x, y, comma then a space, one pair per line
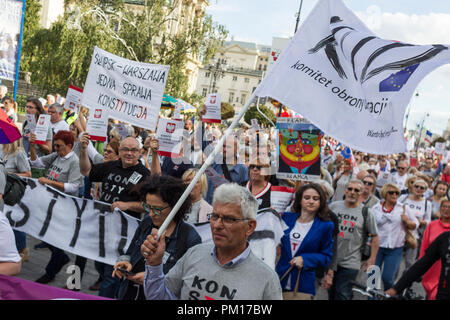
35, 268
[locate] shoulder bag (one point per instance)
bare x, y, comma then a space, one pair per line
295, 295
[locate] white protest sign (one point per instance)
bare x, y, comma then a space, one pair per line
73, 98
169, 135
41, 130
97, 124
348, 82
439, 148
31, 120
83, 227
255, 125
281, 197
122, 130
213, 108
131, 91
43, 101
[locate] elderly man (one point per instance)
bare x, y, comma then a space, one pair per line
117, 178
224, 269
399, 178
57, 122
353, 224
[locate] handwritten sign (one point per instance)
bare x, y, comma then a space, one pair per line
213, 108
131, 91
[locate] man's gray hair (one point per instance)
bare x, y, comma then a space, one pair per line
58, 108
230, 193
354, 181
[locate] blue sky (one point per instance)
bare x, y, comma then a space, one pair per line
414, 21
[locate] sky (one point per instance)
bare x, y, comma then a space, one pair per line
412, 21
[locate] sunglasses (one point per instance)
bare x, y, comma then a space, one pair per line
368, 183
354, 189
393, 192
254, 166
401, 168
420, 187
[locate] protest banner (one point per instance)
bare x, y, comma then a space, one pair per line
213, 108
11, 16
281, 197
41, 129
298, 149
73, 98
263, 241
83, 227
131, 91
352, 85
169, 135
13, 288
97, 125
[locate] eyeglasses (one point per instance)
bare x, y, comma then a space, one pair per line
228, 221
134, 150
56, 145
354, 189
420, 187
51, 112
393, 192
368, 183
30, 107
401, 168
156, 211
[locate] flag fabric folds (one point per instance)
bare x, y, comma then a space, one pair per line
348, 82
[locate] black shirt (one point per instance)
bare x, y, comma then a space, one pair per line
438, 249
117, 181
176, 169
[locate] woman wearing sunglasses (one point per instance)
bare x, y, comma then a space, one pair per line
421, 208
258, 183
392, 219
159, 195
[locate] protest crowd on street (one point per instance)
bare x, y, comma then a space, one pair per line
171, 205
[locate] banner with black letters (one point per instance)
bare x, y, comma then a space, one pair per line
83, 227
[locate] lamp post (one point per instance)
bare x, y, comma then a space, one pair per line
426, 115
409, 110
217, 70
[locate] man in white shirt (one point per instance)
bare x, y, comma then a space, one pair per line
56, 121
399, 178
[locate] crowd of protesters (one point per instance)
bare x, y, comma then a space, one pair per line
358, 203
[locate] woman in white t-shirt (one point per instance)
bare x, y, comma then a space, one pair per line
417, 205
307, 242
10, 260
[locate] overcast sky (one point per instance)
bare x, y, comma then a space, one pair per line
412, 21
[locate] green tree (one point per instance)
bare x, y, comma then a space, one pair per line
30, 26
253, 113
62, 54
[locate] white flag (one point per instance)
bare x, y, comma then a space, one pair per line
351, 84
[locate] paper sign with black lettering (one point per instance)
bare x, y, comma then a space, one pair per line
41, 130
73, 98
169, 135
281, 197
97, 124
83, 227
213, 108
131, 91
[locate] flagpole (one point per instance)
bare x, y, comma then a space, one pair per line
205, 165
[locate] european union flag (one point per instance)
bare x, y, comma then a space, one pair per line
396, 81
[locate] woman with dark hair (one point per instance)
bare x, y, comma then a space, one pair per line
439, 191
33, 107
307, 242
62, 171
11, 108
159, 195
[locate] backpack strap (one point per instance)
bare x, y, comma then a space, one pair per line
226, 173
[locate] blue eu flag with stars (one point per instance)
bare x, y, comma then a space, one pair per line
397, 80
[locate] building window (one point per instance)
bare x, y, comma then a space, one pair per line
234, 78
231, 97
265, 67
247, 80
260, 67
243, 96
204, 92
207, 74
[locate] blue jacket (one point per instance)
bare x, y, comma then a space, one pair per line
316, 250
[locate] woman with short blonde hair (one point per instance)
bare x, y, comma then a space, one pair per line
200, 209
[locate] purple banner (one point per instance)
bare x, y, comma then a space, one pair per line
12, 288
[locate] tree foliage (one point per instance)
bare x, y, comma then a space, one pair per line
61, 55
253, 113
